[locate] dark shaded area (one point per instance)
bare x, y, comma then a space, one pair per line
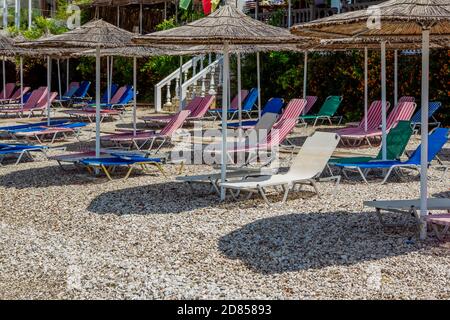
315, 240
170, 197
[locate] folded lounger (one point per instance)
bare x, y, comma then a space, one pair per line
403, 111
19, 151
412, 207
436, 142
416, 119
247, 107
129, 161
307, 165
273, 105
140, 139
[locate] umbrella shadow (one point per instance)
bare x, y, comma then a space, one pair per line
315, 240
159, 198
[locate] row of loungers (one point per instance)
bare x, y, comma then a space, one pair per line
36, 103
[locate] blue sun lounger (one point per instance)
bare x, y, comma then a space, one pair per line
274, 105
31, 125
416, 120
19, 150
436, 141
247, 106
129, 161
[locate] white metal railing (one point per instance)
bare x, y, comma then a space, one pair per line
201, 76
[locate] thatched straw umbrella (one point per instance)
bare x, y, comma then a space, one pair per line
224, 27
391, 20
96, 34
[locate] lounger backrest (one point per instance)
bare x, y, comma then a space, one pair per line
193, 104
104, 98
266, 122
82, 89
73, 86
16, 95
7, 90
36, 96
314, 155
330, 106
432, 108
436, 141
202, 108
374, 115
294, 109
404, 111
127, 96
274, 105
175, 123
280, 131
397, 140
43, 104
311, 101
250, 101
235, 102
119, 93
406, 99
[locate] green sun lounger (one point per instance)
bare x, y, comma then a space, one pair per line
326, 112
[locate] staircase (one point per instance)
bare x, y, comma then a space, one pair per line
198, 77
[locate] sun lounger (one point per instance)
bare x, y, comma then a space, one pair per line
7, 91
129, 161
273, 105
397, 139
80, 94
14, 128
73, 87
305, 168
310, 102
19, 151
90, 114
32, 102
416, 119
326, 112
191, 106
412, 208
235, 102
50, 132
142, 138
403, 111
16, 96
247, 107
436, 142
374, 115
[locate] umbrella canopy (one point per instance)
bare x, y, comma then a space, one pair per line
96, 33
390, 19
226, 24
107, 3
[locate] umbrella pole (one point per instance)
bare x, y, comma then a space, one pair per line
258, 71
111, 68
424, 129
4, 76
134, 94
140, 18
180, 89
239, 84
67, 74
226, 70
305, 74
108, 88
395, 77
59, 78
97, 102
366, 91
383, 99
30, 13
21, 82
49, 86
289, 13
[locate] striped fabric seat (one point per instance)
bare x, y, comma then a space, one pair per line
373, 119
403, 111
311, 101
202, 108
294, 109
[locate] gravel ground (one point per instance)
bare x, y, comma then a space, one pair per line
65, 234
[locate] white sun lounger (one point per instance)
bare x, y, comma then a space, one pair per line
305, 168
411, 207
